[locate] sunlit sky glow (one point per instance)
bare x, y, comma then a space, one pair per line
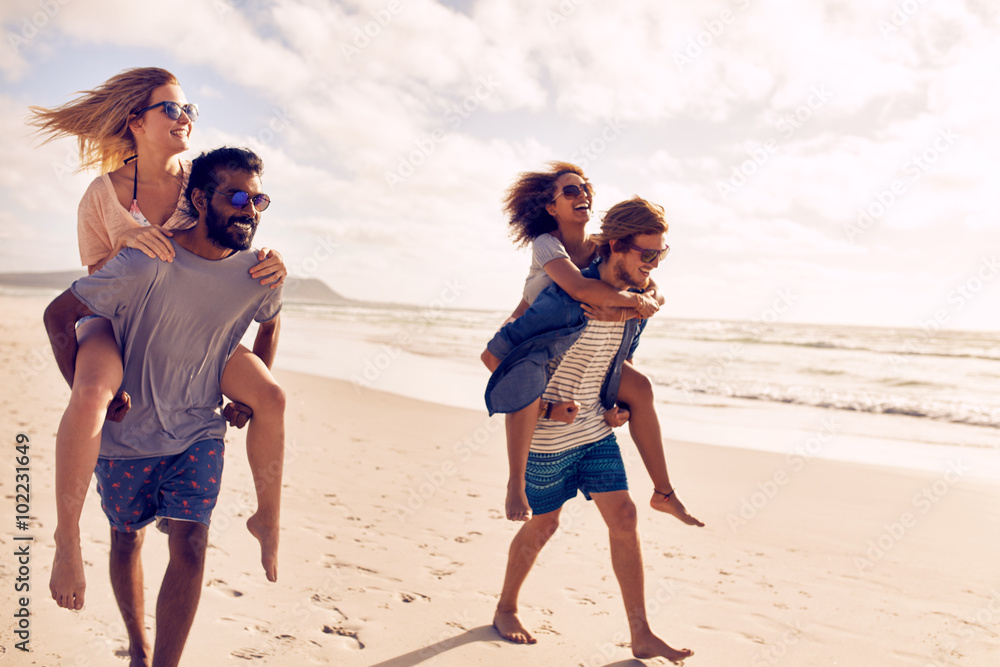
819, 162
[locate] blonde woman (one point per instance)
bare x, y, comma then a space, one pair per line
134, 128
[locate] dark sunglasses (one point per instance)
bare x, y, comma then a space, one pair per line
173, 110
240, 199
649, 255
573, 191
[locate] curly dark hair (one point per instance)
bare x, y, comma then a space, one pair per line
525, 201
205, 170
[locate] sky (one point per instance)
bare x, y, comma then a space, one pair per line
823, 162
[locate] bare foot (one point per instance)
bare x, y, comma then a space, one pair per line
673, 505
565, 412
140, 656
266, 532
67, 583
517, 505
509, 626
648, 646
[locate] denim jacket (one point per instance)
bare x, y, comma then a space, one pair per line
546, 330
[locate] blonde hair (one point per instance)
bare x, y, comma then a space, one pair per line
99, 118
626, 220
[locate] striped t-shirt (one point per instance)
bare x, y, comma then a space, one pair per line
578, 375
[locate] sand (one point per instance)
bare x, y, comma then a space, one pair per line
393, 547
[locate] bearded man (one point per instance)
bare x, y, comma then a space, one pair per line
176, 323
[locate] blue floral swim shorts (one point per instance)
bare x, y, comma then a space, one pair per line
182, 486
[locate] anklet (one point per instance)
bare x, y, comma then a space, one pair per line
665, 495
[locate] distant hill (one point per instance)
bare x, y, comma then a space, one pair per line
313, 291
57, 280
297, 290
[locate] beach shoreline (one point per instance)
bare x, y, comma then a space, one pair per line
393, 547
394, 351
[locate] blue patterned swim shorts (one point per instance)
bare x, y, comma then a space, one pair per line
183, 486
552, 479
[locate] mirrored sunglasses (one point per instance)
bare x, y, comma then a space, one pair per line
240, 199
173, 110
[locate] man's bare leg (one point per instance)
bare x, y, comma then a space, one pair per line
127, 584
520, 558
97, 376
644, 426
247, 380
618, 512
180, 591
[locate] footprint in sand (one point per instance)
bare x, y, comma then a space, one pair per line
250, 625
441, 572
248, 654
412, 597
224, 588
545, 628
329, 603
344, 632
468, 536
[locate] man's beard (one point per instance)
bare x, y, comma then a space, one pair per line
626, 278
225, 233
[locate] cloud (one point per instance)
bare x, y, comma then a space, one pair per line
392, 130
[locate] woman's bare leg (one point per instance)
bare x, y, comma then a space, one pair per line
96, 379
520, 428
644, 426
247, 380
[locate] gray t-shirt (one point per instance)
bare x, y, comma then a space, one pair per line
177, 323
544, 249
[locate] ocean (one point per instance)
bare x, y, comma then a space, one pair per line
909, 398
